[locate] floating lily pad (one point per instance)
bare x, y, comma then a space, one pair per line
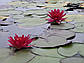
71, 50
52, 41
52, 2
39, 59
62, 33
39, 16
18, 3
31, 22
79, 27
18, 16
5, 23
13, 12
36, 12
47, 52
73, 60
63, 26
19, 57
36, 30
6, 7
4, 54
75, 18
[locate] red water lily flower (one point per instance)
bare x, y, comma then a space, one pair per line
20, 42
56, 16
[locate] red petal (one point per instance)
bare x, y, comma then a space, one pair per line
63, 15
10, 45
55, 10
58, 11
62, 12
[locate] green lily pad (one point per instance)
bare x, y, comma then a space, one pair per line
39, 59
52, 2
63, 26
36, 12
27, 22
71, 50
39, 16
4, 54
6, 7
75, 18
22, 56
79, 27
18, 16
73, 60
52, 41
5, 23
18, 3
56, 32
36, 30
47, 52
13, 12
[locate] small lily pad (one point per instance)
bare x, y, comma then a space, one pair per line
39, 59
71, 50
52, 41
47, 52
73, 60
63, 26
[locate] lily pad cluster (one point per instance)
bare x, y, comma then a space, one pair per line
33, 38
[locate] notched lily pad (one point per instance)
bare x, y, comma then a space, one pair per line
63, 26
52, 41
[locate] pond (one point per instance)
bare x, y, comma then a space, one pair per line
41, 31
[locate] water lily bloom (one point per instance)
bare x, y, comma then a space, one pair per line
56, 16
20, 42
